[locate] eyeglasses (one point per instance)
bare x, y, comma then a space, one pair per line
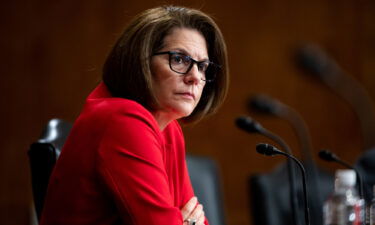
182, 64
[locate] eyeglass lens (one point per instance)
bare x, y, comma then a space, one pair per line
181, 63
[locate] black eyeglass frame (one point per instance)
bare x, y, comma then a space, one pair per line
210, 64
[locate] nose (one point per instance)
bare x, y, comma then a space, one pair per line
194, 76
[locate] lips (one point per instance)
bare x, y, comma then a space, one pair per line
187, 95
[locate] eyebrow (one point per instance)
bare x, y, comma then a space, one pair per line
183, 51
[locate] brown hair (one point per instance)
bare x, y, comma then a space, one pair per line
127, 73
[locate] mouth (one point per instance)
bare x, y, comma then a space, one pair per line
188, 95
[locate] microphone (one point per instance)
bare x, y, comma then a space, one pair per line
270, 106
251, 126
248, 124
269, 150
266, 105
331, 157
312, 59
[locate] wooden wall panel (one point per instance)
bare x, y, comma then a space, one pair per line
52, 53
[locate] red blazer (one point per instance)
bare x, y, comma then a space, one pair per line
117, 167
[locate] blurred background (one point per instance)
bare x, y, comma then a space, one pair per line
52, 54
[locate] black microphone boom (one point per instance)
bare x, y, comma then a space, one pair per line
314, 60
269, 150
251, 126
266, 149
267, 105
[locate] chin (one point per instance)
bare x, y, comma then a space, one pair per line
185, 114
184, 111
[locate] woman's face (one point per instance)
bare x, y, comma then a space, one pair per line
178, 94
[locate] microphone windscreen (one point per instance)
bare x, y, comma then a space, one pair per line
247, 124
314, 60
327, 155
263, 104
266, 149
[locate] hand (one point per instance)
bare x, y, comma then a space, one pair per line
193, 211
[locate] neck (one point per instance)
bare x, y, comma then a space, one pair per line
163, 119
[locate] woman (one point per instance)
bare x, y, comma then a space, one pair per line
124, 161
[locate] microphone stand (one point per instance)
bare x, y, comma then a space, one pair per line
265, 104
314, 60
269, 150
249, 125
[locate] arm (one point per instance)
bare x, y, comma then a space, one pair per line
186, 186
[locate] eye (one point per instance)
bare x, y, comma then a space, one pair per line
178, 58
202, 66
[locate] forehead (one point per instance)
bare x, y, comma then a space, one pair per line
187, 40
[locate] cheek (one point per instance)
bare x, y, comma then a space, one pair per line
159, 69
165, 87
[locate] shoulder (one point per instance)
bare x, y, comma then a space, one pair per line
104, 116
123, 116
122, 127
110, 108
102, 106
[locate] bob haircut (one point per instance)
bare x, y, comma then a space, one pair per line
127, 73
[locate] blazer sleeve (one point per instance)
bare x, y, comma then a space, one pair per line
131, 166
